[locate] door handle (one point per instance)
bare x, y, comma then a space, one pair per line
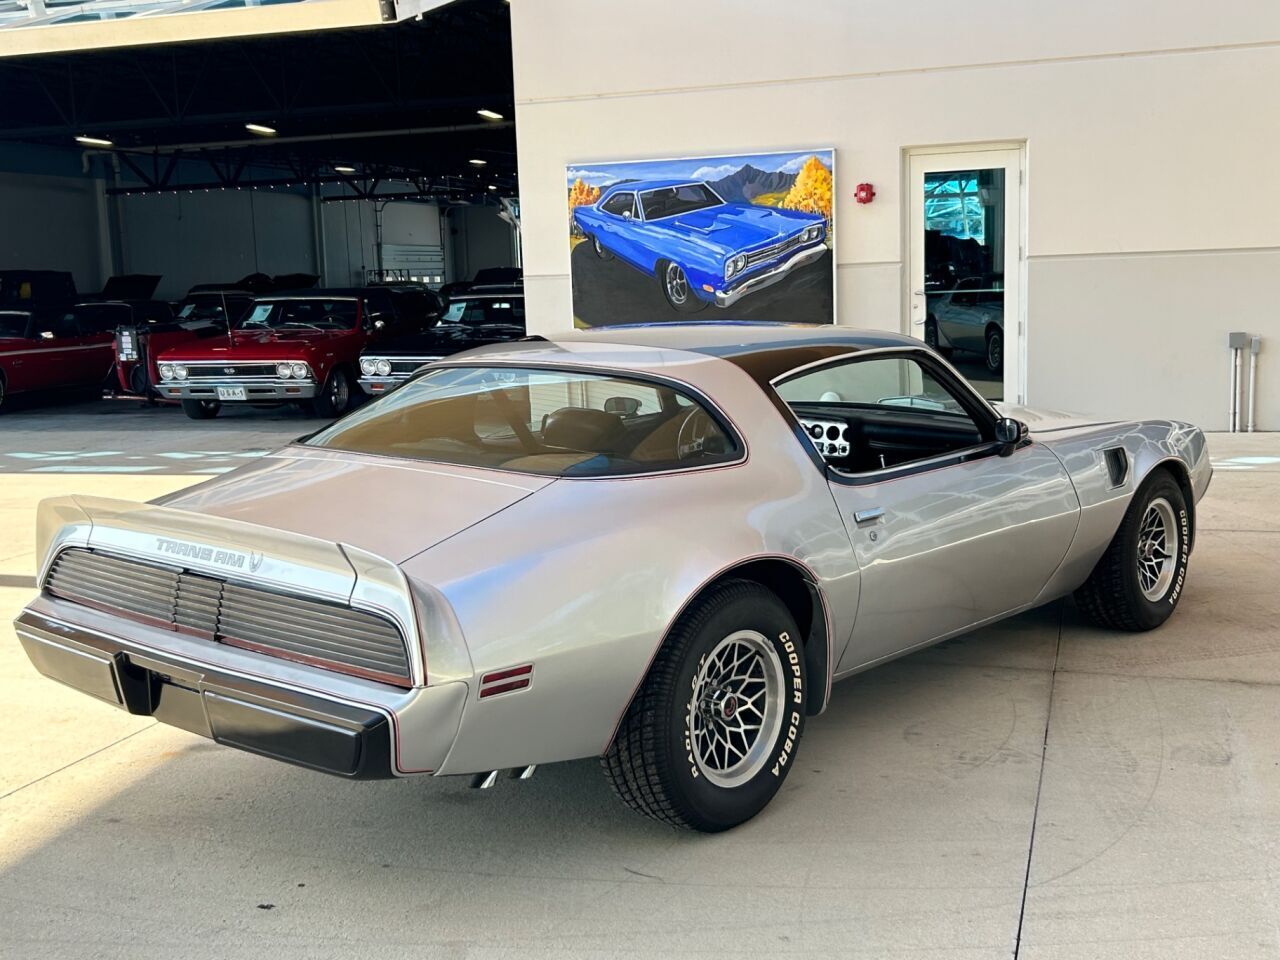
870, 515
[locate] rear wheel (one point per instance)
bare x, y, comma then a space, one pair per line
713, 729
599, 249
1137, 583
334, 396
201, 409
931, 338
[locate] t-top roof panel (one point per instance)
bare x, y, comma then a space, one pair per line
54, 26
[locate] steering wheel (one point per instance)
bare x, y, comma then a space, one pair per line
696, 428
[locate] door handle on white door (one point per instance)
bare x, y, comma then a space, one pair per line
869, 515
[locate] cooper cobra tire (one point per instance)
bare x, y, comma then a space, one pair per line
201, 409
334, 397
1137, 583
732, 661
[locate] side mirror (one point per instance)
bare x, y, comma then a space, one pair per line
47, 335
1010, 433
379, 324
627, 215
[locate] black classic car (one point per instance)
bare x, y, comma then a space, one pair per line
482, 315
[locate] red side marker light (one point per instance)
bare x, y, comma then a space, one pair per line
506, 680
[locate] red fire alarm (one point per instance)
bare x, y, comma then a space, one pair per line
865, 193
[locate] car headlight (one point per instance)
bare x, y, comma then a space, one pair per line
384, 368
300, 371
739, 263
166, 371
284, 371
813, 233
180, 371
730, 268
368, 367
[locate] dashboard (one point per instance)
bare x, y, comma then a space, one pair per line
831, 437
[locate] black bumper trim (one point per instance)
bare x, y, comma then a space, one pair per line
297, 728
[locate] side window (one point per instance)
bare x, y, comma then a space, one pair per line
101, 319
620, 204
381, 305
66, 325
964, 295
886, 411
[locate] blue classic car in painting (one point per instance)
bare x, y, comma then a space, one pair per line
700, 249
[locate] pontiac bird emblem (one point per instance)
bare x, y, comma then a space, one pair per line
255, 561
228, 370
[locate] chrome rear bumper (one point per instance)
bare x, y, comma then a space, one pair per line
305, 726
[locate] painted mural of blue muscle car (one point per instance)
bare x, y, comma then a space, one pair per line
700, 249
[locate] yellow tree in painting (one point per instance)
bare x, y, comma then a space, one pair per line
581, 194
812, 189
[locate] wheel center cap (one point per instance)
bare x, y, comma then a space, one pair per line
720, 704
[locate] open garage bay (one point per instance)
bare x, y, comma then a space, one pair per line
1042, 785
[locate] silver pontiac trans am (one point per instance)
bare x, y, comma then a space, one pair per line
657, 545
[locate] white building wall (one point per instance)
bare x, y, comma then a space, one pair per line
1152, 228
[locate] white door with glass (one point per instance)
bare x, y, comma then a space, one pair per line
966, 266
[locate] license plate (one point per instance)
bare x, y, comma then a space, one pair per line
231, 393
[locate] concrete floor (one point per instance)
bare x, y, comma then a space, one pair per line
1041, 786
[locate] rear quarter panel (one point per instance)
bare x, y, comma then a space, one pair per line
584, 579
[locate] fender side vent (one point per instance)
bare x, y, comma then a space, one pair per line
1117, 464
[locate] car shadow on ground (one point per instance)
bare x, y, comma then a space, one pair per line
222, 796
610, 292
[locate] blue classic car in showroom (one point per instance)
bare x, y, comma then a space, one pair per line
701, 249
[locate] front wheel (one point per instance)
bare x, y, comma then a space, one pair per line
995, 350
201, 409
334, 396
1137, 583
713, 729
677, 290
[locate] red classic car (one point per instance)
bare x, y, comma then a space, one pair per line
45, 348
144, 331
289, 348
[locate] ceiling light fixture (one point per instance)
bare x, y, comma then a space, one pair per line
490, 114
343, 169
261, 129
478, 163
492, 187
93, 141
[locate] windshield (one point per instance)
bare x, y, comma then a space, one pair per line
14, 324
671, 201
213, 307
317, 314
486, 310
549, 422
